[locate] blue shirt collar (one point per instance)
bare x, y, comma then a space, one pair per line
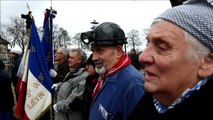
162, 108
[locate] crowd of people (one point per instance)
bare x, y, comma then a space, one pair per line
176, 82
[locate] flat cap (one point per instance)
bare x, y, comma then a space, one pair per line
195, 17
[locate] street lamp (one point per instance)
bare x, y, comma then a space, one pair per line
94, 23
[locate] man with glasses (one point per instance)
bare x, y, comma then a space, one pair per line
62, 68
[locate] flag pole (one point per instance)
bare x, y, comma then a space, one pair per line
28, 7
52, 117
22, 71
50, 12
31, 18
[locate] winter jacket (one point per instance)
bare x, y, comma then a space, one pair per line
71, 89
119, 95
62, 71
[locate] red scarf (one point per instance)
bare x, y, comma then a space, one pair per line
123, 62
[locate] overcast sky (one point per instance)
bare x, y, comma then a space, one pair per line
75, 16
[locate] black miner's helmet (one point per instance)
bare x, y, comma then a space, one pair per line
107, 33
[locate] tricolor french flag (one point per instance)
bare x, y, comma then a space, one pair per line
35, 88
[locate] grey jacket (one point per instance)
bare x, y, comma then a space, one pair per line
68, 91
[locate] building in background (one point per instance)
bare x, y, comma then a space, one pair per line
4, 52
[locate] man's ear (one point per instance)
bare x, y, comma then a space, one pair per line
206, 68
119, 51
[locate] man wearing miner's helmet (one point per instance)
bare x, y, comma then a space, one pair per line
120, 85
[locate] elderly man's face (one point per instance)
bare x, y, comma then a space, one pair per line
169, 69
59, 56
105, 57
74, 61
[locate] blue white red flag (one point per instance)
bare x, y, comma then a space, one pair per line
22, 85
35, 95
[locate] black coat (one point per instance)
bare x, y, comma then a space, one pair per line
90, 85
135, 62
199, 106
6, 100
14, 69
62, 71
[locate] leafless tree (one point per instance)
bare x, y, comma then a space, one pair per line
16, 32
133, 39
3, 31
77, 41
61, 37
143, 38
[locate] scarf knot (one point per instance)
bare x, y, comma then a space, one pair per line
123, 62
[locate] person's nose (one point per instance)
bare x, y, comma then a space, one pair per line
95, 56
146, 56
87, 66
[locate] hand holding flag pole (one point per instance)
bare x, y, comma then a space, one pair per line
36, 82
28, 17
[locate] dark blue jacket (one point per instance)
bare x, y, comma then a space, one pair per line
119, 95
198, 106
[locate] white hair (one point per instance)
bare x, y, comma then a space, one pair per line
197, 49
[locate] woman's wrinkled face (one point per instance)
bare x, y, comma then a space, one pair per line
105, 57
169, 68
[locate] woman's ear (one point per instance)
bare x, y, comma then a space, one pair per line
206, 68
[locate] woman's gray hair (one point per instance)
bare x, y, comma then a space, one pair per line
197, 49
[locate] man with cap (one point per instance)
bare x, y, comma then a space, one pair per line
15, 57
120, 85
179, 65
